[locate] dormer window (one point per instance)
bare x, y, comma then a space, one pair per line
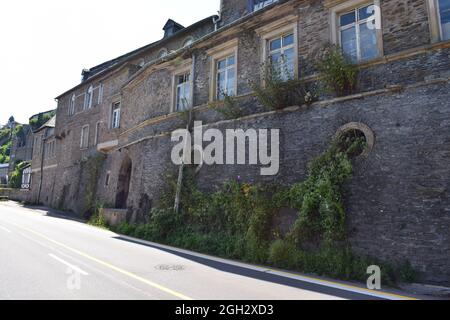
188, 42
259, 4
162, 53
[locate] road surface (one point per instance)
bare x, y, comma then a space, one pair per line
46, 256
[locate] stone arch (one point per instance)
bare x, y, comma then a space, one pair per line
123, 183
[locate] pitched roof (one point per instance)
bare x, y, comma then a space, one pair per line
107, 66
49, 124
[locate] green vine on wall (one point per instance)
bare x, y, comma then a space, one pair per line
279, 88
338, 72
236, 221
93, 165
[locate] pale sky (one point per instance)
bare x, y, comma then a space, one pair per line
45, 44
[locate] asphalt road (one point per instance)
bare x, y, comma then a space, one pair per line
45, 256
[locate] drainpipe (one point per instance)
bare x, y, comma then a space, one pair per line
42, 169
219, 18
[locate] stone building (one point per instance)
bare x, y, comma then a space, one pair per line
21, 147
4, 174
44, 163
398, 204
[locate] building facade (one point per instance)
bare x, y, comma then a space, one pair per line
21, 147
124, 110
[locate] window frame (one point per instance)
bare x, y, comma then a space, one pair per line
282, 49
346, 7
116, 106
435, 22
265, 3
84, 136
287, 25
178, 85
72, 100
217, 54
88, 98
97, 133
179, 70
226, 70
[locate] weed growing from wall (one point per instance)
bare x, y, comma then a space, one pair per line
339, 73
15, 180
93, 165
278, 91
228, 107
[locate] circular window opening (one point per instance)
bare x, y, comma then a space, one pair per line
353, 142
356, 139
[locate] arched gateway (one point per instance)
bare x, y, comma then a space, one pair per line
123, 184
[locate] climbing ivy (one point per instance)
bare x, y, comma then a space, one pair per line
93, 166
236, 221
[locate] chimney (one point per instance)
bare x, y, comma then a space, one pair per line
85, 74
171, 27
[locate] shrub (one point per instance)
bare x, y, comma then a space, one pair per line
97, 218
339, 73
278, 91
236, 221
15, 180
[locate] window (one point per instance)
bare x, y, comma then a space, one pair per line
279, 41
108, 174
100, 94
37, 145
84, 137
356, 28
26, 178
224, 62
183, 91
72, 105
188, 42
88, 98
162, 53
282, 55
50, 151
439, 15
115, 118
97, 133
443, 9
259, 4
226, 77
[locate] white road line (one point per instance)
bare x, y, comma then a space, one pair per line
4, 229
71, 266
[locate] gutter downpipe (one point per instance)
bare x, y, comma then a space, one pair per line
42, 167
219, 18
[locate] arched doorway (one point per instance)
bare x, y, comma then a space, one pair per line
123, 184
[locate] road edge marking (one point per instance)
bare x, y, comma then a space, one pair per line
67, 264
308, 279
108, 265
